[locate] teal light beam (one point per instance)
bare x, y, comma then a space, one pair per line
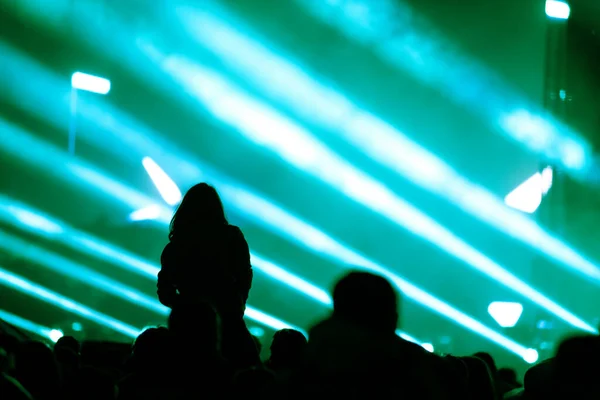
293, 85
15, 282
269, 215
29, 326
36, 222
262, 125
79, 273
416, 47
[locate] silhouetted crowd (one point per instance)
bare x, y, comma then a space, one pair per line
207, 352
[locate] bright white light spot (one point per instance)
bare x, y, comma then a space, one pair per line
557, 9
55, 334
506, 314
34, 220
531, 356
165, 185
77, 327
257, 331
90, 83
572, 154
547, 179
150, 212
526, 197
427, 346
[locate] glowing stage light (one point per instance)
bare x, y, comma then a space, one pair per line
164, 184
76, 326
55, 335
31, 327
22, 285
557, 9
506, 314
428, 347
267, 128
526, 197
147, 213
90, 83
293, 86
257, 331
262, 211
531, 356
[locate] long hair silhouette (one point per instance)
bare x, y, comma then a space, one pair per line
201, 209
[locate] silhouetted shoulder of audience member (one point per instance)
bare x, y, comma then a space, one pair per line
576, 368
36, 369
507, 380
11, 389
208, 260
488, 360
253, 383
356, 353
501, 386
537, 381
258, 344
95, 384
480, 381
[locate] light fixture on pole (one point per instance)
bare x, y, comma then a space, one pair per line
88, 83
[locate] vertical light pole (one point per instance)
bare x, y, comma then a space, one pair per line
551, 212
88, 83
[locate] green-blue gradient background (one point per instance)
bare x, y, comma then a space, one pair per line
46, 40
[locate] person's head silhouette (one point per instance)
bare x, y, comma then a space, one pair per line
287, 349
366, 300
200, 208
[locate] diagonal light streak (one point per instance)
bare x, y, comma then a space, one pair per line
265, 213
37, 223
25, 286
292, 85
411, 44
26, 325
164, 184
264, 126
72, 270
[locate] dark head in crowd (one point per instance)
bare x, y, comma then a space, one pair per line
200, 210
69, 343
367, 300
287, 350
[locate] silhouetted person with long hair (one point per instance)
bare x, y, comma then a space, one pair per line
208, 260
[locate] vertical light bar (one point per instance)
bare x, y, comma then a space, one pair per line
90, 83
